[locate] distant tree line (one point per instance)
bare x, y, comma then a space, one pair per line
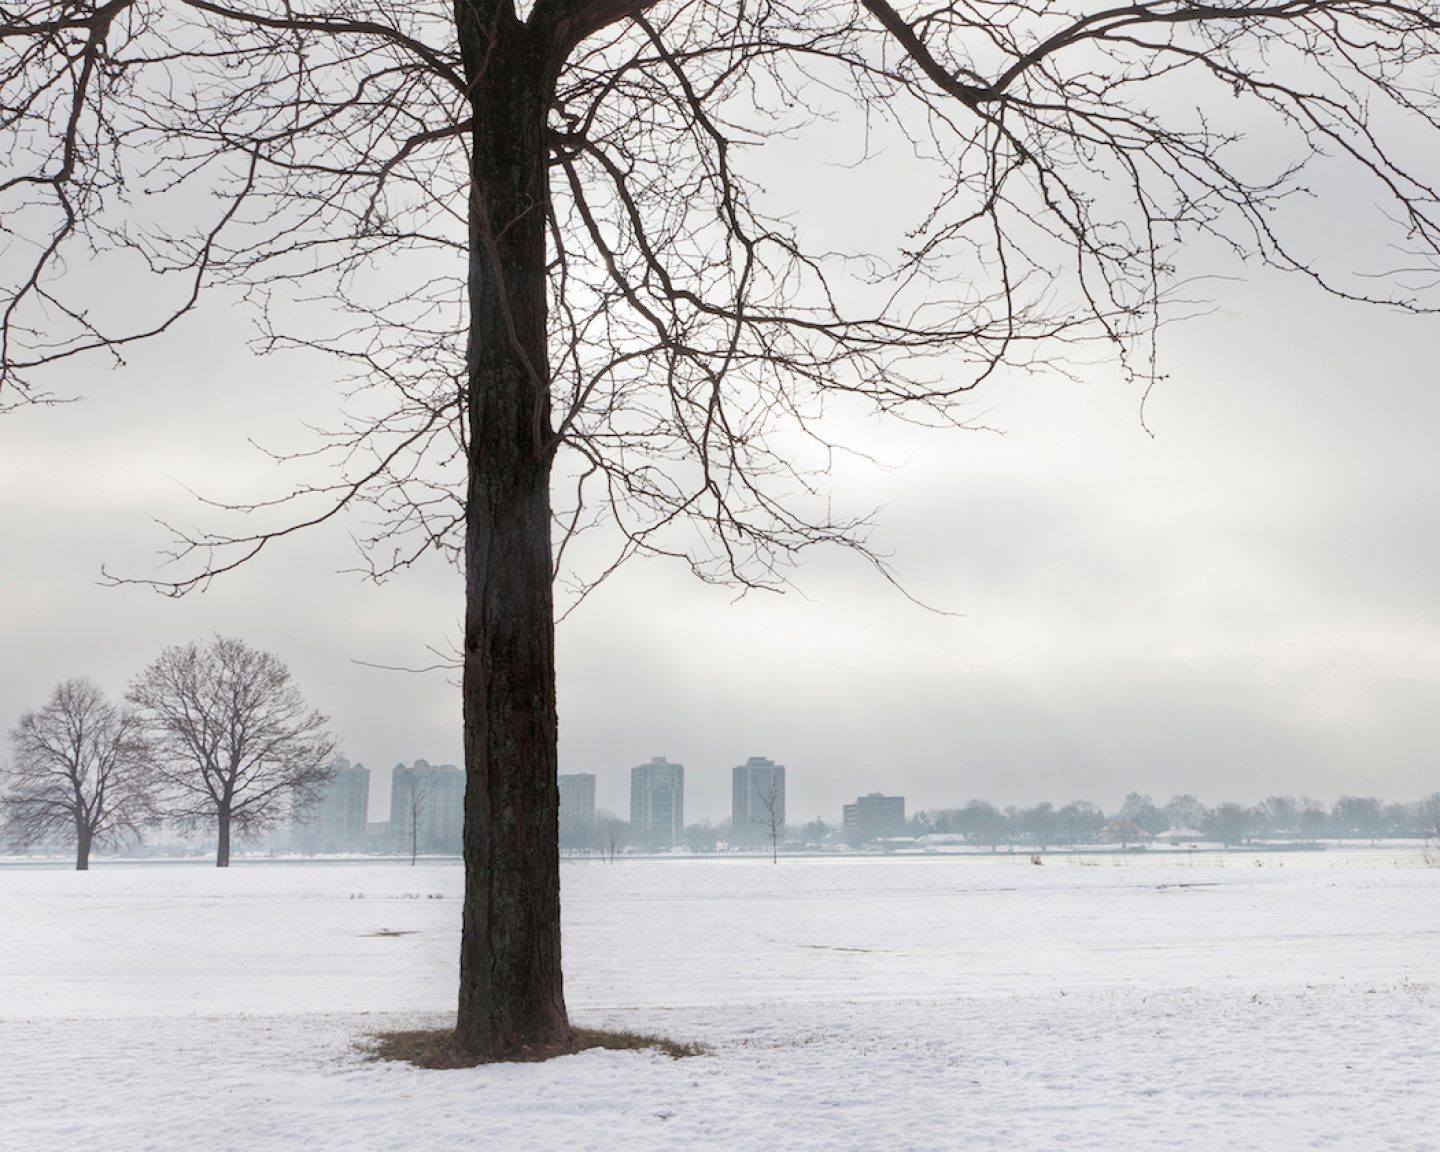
1139, 817
212, 734
1043, 825
607, 836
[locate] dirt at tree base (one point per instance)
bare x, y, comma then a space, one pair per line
438, 1048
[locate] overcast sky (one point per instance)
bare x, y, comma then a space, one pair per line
1246, 603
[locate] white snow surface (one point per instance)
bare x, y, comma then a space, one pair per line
1230, 1002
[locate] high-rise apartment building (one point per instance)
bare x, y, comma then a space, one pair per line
335, 823
757, 801
874, 817
657, 804
577, 799
427, 807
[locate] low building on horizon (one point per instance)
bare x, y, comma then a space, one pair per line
873, 817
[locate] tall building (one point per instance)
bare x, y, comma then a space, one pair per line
427, 807
757, 800
657, 804
336, 823
577, 800
873, 817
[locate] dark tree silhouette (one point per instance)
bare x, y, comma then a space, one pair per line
552, 267
1230, 823
1041, 823
983, 823
1142, 811
1184, 811
1428, 816
1358, 816
234, 743
81, 772
1081, 821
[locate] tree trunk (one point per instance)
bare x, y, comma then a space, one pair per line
222, 849
82, 850
511, 995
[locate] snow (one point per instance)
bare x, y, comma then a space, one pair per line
849, 1003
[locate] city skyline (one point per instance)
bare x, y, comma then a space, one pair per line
1245, 604
612, 795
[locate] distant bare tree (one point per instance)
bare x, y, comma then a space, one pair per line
1311, 818
1358, 816
1185, 811
234, 741
1081, 821
816, 832
612, 834
983, 823
81, 769
703, 836
1429, 816
1280, 815
1427, 821
1042, 823
1230, 823
772, 811
1123, 831
579, 836
414, 795
1141, 810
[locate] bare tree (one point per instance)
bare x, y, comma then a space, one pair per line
1359, 816
771, 816
552, 267
81, 771
1042, 823
983, 823
1229, 822
1142, 811
1081, 822
613, 833
1312, 818
1185, 811
234, 742
1428, 816
414, 794
1278, 814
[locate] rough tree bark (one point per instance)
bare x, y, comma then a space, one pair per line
222, 846
511, 993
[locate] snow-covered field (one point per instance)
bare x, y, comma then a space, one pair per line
878, 1003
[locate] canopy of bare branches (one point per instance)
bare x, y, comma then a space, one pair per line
1035, 170
234, 742
81, 773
